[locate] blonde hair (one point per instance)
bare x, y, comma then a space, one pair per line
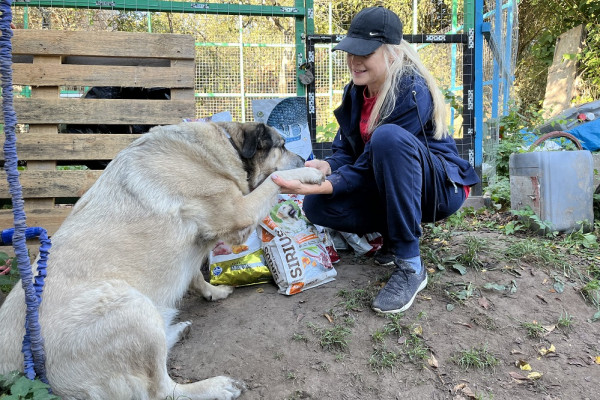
401, 59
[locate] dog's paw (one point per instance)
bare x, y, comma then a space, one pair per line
214, 293
304, 174
225, 388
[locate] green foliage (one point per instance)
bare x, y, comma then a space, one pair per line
476, 357
8, 281
16, 386
327, 133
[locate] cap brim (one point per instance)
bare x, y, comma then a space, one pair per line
357, 46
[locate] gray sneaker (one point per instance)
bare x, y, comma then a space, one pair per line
401, 289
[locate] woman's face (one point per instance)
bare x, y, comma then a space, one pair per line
369, 71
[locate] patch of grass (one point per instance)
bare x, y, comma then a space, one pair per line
357, 299
299, 337
532, 249
475, 357
278, 356
565, 321
392, 327
534, 329
473, 247
417, 349
382, 358
591, 292
332, 339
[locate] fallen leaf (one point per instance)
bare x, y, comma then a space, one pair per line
424, 297
299, 317
517, 376
494, 286
541, 298
549, 329
260, 290
597, 359
543, 351
432, 361
523, 365
329, 317
483, 302
449, 307
418, 330
534, 375
401, 340
464, 324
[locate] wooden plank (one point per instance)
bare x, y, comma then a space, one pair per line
110, 44
102, 111
100, 75
70, 146
40, 94
50, 219
43, 184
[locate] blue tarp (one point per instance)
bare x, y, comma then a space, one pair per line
588, 134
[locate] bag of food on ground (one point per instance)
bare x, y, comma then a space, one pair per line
294, 251
239, 265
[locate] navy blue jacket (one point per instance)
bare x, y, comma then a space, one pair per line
350, 163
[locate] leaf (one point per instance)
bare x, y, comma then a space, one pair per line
543, 351
494, 286
534, 375
559, 287
21, 387
483, 302
329, 318
432, 361
517, 376
461, 269
449, 307
597, 360
418, 330
596, 316
523, 365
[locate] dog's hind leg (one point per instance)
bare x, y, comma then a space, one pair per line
174, 332
216, 388
208, 291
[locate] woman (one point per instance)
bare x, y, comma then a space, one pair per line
393, 164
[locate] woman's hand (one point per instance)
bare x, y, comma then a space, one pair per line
297, 187
321, 165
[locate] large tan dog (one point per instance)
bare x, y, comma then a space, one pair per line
131, 248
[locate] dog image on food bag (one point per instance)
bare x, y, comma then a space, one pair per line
131, 248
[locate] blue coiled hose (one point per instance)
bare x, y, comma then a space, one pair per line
33, 344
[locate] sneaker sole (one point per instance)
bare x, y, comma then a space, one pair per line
407, 306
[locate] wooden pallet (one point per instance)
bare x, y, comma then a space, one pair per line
48, 60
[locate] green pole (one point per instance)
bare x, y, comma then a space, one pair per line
305, 25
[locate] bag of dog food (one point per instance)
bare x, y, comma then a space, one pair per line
294, 250
239, 265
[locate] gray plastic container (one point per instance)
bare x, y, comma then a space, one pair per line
557, 185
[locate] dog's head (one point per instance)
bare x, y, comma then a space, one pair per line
262, 150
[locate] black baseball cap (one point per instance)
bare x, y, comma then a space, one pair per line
369, 29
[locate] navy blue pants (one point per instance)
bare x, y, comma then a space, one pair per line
399, 197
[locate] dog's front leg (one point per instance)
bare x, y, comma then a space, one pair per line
259, 202
208, 291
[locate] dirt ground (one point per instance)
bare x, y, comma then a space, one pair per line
290, 347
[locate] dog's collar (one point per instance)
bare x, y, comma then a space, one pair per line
228, 136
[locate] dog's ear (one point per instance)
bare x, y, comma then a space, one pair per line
263, 132
257, 138
250, 144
